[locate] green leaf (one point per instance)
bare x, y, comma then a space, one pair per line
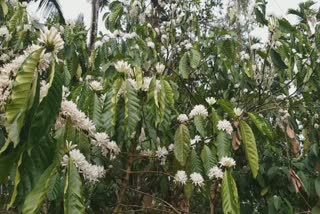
47, 112
114, 100
223, 144
308, 75
207, 158
194, 163
73, 198
132, 111
188, 189
182, 144
260, 17
165, 85
228, 107
184, 66
277, 60
22, 96
195, 58
35, 198
229, 194
317, 186
16, 183
4, 7
261, 124
285, 25
250, 147
199, 122
113, 19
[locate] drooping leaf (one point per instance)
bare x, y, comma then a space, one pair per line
195, 58
199, 122
194, 163
229, 194
223, 144
22, 96
207, 158
250, 147
184, 68
4, 7
260, 17
73, 196
228, 107
182, 144
132, 111
16, 183
36, 197
261, 124
277, 60
47, 112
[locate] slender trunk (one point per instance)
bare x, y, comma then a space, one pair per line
213, 194
94, 24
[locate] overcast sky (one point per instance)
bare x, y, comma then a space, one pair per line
72, 8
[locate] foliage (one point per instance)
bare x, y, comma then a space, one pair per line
175, 110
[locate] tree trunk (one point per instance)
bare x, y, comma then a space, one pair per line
94, 24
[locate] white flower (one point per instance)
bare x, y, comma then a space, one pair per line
181, 177
78, 118
188, 46
122, 67
225, 125
113, 149
195, 140
160, 68
146, 83
215, 172
198, 110
89, 171
161, 152
211, 100
182, 118
44, 87
171, 147
150, 44
96, 85
197, 179
51, 39
227, 162
4, 32
238, 111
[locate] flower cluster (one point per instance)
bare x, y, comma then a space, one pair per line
161, 154
216, 172
225, 125
9, 71
51, 39
79, 119
89, 171
227, 162
198, 110
102, 140
183, 118
182, 178
211, 100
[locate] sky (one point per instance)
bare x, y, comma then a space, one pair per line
72, 8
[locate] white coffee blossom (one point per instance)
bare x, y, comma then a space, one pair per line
215, 172
90, 172
182, 118
171, 147
197, 179
161, 154
96, 85
122, 67
198, 110
195, 140
51, 39
238, 111
227, 162
181, 177
160, 68
78, 118
211, 100
225, 125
